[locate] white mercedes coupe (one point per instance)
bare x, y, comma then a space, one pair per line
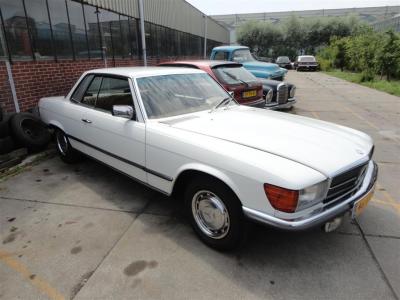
179, 132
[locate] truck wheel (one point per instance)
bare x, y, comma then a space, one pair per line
67, 154
216, 213
29, 131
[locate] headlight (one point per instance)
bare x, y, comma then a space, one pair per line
292, 92
313, 194
269, 96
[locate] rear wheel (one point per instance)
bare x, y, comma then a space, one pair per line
68, 154
216, 213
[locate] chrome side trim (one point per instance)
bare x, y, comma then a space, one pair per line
319, 217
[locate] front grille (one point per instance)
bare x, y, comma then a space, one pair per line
345, 184
282, 94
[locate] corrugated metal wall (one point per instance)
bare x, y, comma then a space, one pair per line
176, 14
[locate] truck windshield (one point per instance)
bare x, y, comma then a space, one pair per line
177, 94
242, 55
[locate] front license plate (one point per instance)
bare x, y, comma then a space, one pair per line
249, 94
361, 204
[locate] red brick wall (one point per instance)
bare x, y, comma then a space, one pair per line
37, 79
6, 101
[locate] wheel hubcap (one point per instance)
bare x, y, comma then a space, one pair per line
210, 214
62, 143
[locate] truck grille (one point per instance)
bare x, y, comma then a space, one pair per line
345, 184
282, 94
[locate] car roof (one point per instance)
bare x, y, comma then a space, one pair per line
203, 63
306, 56
143, 71
230, 48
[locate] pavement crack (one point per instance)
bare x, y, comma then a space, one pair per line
86, 206
384, 277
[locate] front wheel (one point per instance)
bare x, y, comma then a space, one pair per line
68, 154
216, 213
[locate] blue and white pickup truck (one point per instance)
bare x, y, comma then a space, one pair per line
241, 54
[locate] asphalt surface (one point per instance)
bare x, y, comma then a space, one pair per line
86, 232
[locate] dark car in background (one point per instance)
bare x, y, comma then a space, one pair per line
246, 88
306, 62
278, 94
284, 62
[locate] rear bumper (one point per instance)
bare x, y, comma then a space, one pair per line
274, 105
312, 68
321, 217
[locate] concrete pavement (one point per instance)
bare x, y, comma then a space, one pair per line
85, 231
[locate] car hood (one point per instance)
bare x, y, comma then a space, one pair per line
273, 84
323, 146
263, 66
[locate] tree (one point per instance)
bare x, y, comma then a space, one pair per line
388, 55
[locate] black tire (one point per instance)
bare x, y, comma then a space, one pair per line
229, 238
30, 132
5, 126
67, 154
6, 145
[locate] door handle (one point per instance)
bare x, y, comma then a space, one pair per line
86, 121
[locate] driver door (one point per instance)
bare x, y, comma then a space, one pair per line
116, 141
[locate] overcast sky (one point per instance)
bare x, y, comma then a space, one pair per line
219, 7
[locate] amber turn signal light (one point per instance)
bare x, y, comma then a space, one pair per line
281, 199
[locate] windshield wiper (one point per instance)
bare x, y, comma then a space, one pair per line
235, 78
229, 99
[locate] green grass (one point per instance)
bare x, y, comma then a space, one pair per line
391, 87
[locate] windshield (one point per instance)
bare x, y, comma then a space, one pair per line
233, 75
242, 55
307, 59
282, 59
178, 94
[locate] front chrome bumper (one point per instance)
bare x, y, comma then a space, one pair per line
274, 105
322, 216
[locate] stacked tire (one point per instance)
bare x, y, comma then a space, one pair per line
22, 130
6, 142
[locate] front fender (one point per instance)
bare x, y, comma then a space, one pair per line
210, 171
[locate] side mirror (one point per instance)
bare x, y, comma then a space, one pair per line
123, 111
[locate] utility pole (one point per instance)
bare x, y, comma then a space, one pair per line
9, 70
205, 36
142, 32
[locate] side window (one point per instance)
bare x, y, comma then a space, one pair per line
90, 95
221, 55
80, 90
114, 91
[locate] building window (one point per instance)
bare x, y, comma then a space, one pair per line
39, 28
154, 40
105, 19
148, 34
16, 30
93, 31
126, 47
78, 32
134, 37
60, 25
